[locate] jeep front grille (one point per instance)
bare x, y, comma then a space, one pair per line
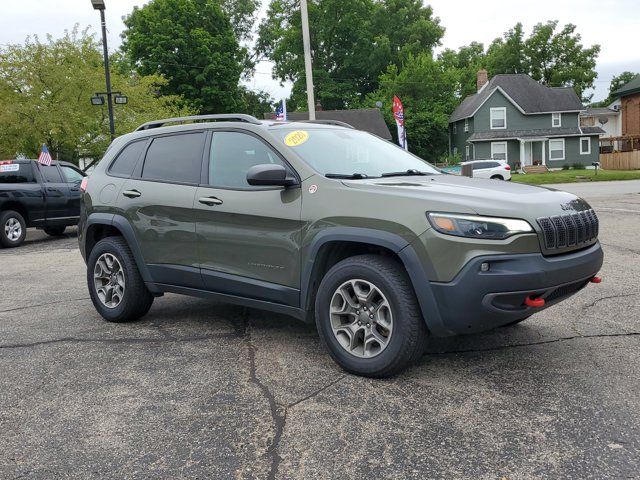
572, 230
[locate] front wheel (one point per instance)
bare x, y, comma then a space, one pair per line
115, 285
368, 316
13, 229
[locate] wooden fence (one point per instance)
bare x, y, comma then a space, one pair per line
620, 160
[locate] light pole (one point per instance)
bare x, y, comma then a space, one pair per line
304, 12
99, 5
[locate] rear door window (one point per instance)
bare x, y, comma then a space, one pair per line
175, 158
127, 159
71, 174
11, 172
51, 174
479, 165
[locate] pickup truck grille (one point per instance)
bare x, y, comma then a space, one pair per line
572, 230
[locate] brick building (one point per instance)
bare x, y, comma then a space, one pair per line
630, 106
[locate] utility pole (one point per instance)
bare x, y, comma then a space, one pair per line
308, 69
99, 5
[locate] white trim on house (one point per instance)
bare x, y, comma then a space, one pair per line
588, 151
466, 124
455, 150
466, 151
556, 116
506, 150
504, 117
554, 140
455, 128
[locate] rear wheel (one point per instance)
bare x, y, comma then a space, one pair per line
497, 177
368, 316
55, 231
13, 229
115, 285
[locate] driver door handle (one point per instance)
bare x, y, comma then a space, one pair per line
131, 193
211, 201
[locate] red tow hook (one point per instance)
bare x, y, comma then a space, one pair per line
596, 280
534, 302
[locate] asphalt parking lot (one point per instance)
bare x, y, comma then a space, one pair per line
204, 390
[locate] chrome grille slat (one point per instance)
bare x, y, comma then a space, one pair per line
570, 230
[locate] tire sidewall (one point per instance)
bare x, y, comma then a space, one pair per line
128, 301
4, 240
336, 277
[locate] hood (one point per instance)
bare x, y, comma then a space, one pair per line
485, 197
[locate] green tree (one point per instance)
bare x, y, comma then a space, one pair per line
45, 89
192, 44
507, 54
352, 43
427, 88
242, 14
617, 82
465, 63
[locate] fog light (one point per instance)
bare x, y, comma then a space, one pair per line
484, 267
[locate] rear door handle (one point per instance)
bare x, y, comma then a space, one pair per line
211, 201
131, 193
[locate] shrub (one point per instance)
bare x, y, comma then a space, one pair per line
566, 167
577, 166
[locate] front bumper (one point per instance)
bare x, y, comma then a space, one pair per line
476, 301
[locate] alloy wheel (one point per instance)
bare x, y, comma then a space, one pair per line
13, 229
361, 318
109, 281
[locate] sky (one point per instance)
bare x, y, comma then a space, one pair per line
613, 24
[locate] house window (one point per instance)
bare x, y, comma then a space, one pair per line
455, 150
585, 146
466, 152
455, 127
498, 118
466, 124
556, 149
556, 119
499, 150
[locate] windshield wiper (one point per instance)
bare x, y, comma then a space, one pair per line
407, 173
347, 176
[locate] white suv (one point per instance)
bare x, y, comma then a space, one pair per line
494, 169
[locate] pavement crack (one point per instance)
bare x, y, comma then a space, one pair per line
542, 342
619, 247
316, 392
278, 412
44, 304
122, 340
598, 300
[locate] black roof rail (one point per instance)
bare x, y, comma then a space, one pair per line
327, 122
238, 117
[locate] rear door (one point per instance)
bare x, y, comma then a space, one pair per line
249, 237
158, 202
73, 177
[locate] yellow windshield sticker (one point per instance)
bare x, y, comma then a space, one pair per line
296, 138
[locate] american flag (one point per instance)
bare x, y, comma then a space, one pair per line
45, 157
281, 111
398, 114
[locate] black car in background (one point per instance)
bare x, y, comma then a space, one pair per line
35, 195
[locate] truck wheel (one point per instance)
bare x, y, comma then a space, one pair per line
55, 231
115, 285
368, 316
13, 229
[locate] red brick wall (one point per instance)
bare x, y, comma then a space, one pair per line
631, 114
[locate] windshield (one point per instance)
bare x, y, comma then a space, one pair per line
347, 152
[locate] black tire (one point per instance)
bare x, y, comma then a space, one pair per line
497, 177
55, 231
408, 339
6, 217
136, 300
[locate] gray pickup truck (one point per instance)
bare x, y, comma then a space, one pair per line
35, 195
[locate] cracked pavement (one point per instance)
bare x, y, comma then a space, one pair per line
198, 389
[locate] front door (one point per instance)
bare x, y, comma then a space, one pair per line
528, 153
56, 192
249, 237
158, 202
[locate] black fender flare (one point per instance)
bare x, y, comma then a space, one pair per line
418, 273
124, 227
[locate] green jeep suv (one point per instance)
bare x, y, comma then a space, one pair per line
329, 224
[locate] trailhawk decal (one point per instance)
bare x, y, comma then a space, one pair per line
296, 138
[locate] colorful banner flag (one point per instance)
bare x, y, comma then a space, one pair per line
398, 114
45, 157
281, 111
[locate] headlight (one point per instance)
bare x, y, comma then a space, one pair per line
472, 226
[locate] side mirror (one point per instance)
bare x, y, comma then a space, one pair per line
269, 175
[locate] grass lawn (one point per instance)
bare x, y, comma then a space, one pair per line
569, 176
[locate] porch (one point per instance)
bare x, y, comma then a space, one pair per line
533, 151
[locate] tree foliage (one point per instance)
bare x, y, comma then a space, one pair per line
352, 44
617, 82
193, 45
45, 91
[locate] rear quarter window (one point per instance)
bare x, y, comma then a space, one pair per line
16, 173
127, 159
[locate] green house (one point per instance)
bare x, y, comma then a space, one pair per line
515, 118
